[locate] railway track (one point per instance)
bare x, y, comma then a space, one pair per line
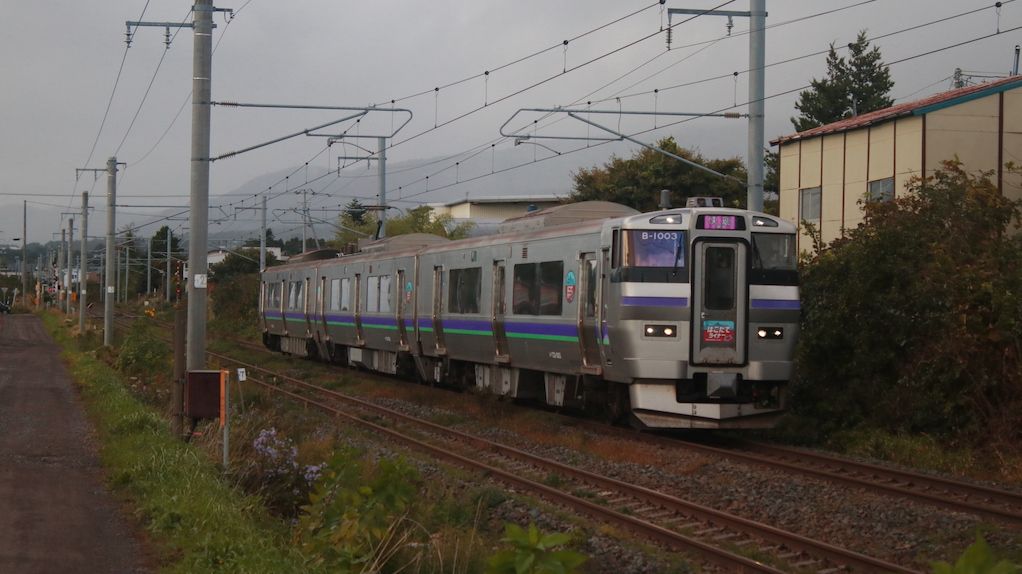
716, 535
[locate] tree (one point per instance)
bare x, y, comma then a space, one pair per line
636, 182
356, 211
858, 85
271, 241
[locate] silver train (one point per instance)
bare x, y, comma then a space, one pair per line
682, 318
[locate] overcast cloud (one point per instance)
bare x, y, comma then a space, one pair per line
59, 61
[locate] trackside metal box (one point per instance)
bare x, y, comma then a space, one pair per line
203, 392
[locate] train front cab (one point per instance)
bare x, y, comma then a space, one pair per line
702, 342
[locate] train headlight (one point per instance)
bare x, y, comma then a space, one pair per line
661, 330
770, 333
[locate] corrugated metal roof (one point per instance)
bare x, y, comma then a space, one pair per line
917, 107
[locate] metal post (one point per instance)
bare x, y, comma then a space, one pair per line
757, 109
167, 274
127, 270
110, 260
1014, 69
202, 63
149, 268
382, 143
262, 241
70, 261
61, 285
305, 218
177, 391
82, 274
24, 253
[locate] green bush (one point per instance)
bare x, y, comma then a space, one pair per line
913, 321
532, 552
356, 520
977, 559
142, 352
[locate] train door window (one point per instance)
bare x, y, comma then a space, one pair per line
810, 205
299, 296
551, 277
373, 294
345, 301
278, 295
335, 294
591, 282
525, 292
465, 290
615, 249
385, 293
292, 295
720, 278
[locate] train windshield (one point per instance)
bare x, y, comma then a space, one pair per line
774, 259
654, 256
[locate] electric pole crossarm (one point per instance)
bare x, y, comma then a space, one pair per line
286, 137
656, 149
367, 110
698, 12
573, 113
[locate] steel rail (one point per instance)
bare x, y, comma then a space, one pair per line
765, 532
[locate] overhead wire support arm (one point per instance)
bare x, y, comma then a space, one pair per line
618, 136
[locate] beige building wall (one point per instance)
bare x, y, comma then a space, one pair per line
857, 150
908, 151
788, 184
832, 182
967, 130
1011, 183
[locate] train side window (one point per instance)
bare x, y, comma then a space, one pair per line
335, 294
466, 290
591, 281
292, 295
551, 278
345, 300
615, 249
373, 294
525, 292
385, 293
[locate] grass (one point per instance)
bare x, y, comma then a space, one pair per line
196, 520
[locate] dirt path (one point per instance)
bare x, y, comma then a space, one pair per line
55, 513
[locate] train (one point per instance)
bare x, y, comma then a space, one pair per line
683, 318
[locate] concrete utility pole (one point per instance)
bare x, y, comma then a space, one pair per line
24, 253
61, 286
127, 271
70, 250
202, 64
305, 217
757, 59
382, 143
262, 240
110, 261
82, 267
149, 268
169, 242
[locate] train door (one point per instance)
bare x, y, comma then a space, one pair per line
588, 303
323, 301
359, 340
499, 310
402, 293
438, 301
719, 306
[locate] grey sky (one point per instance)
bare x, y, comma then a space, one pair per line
59, 61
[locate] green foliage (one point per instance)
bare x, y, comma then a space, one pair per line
235, 289
855, 86
913, 321
533, 552
977, 559
142, 352
636, 182
356, 517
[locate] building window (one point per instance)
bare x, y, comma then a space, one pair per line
465, 290
881, 189
810, 205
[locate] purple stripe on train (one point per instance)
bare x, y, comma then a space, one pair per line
655, 301
776, 304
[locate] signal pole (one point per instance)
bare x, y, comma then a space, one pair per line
82, 267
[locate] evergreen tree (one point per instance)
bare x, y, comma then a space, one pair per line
857, 85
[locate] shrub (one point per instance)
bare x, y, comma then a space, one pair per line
533, 552
977, 559
356, 520
913, 321
142, 352
273, 471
